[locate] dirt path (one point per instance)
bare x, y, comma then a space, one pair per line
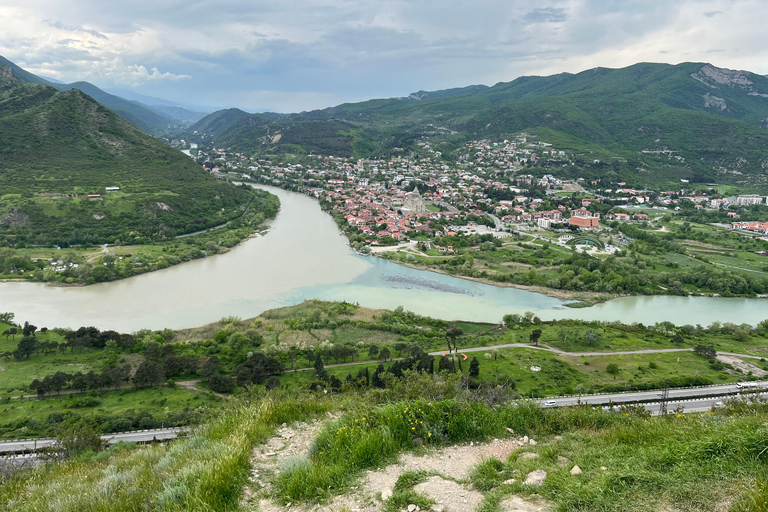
191, 385
103, 252
448, 484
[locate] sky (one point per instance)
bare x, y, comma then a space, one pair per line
307, 54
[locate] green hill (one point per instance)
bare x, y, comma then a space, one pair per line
60, 147
709, 122
141, 116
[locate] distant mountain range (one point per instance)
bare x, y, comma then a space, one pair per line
60, 152
150, 118
646, 122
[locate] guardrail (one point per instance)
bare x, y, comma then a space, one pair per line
763, 383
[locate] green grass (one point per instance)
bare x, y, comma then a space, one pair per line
204, 472
697, 462
32, 417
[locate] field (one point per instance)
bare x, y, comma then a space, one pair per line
283, 347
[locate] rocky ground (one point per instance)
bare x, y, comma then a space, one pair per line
448, 484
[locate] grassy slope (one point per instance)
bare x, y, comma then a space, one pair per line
696, 462
59, 144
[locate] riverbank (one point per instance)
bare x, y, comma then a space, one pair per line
589, 298
82, 267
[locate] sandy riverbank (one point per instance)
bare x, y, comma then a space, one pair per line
589, 297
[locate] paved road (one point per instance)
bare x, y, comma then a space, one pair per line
642, 396
135, 437
700, 405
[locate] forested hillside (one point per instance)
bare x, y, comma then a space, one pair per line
654, 121
61, 151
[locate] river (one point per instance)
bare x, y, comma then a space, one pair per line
303, 257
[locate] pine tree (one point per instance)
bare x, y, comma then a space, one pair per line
474, 368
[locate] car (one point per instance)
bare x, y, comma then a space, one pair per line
718, 405
550, 403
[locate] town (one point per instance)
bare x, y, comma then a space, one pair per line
491, 189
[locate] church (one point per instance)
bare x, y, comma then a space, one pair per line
413, 202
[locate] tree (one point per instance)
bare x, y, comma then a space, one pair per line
211, 366
451, 334
72, 440
706, 351
535, 335
592, 338
612, 368
272, 383
677, 339
512, 321
400, 347
27, 345
384, 353
148, 373
474, 368
376, 380
37, 387
152, 351
446, 364
221, 383
29, 329
373, 351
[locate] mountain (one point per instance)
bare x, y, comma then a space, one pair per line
139, 115
428, 95
60, 147
217, 123
158, 102
651, 123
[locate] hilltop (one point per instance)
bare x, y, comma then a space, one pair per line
60, 152
655, 122
151, 119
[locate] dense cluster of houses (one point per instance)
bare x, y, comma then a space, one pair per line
422, 194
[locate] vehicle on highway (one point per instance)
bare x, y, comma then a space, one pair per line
718, 405
550, 403
749, 385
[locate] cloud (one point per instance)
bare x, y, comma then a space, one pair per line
300, 54
545, 15
73, 28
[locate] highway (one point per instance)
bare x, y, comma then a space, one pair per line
141, 436
644, 396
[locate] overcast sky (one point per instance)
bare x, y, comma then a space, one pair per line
305, 54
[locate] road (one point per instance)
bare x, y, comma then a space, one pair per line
497, 221
142, 436
643, 396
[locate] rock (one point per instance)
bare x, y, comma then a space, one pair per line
328, 415
604, 468
525, 439
517, 504
509, 482
452, 495
563, 461
386, 494
270, 454
438, 508
529, 456
536, 478
412, 508
576, 470
532, 442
